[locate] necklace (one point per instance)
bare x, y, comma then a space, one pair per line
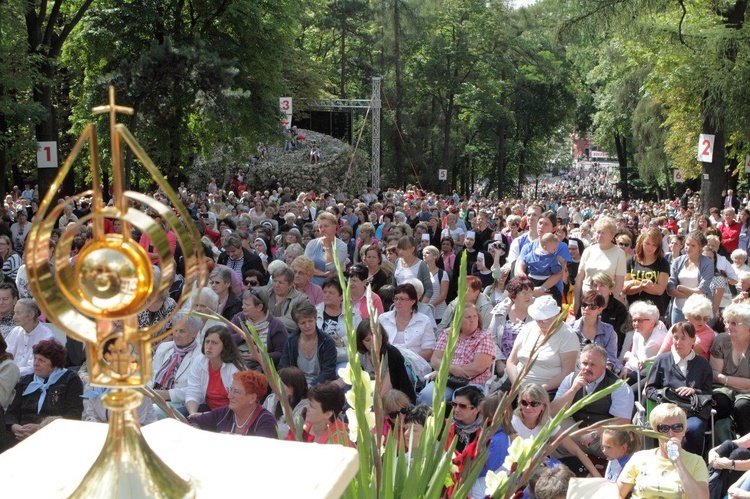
246, 421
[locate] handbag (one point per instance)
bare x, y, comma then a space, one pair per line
694, 405
456, 382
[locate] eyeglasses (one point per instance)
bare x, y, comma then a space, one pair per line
664, 428
461, 405
735, 324
623, 245
532, 403
589, 305
251, 282
401, 298
640, 319
394, 414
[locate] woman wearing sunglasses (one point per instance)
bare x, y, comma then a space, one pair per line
532, 413
653, 473
467, 417
396, 405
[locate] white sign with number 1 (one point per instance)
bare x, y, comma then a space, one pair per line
706, 148
46, 155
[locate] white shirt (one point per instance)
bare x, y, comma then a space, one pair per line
21, 345
681, 363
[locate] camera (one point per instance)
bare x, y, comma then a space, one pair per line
497, 245
204, 215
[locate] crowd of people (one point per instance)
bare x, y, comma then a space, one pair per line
656, 294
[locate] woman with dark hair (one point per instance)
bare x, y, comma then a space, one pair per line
509, 317
357, 275
309, 348
244, 414
393, 368
687, 374
330, 318
408, 265
447, 254
254, 279
474, 295
467, 417
409, 330
50, 391
9, 375
211, 375
648, 272
690, 274
221, 283
296, 388
270, 329
591, 329
373, 260
325, 402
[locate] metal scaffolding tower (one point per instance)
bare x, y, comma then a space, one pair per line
374, 105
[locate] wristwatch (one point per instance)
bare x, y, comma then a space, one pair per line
544, 288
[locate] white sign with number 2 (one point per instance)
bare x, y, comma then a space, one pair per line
706, 148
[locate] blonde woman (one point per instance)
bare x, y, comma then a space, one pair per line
604, 256
532, 413
303, 269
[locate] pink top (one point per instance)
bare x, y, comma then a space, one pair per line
703, 338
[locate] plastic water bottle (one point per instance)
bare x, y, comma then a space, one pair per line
673, 452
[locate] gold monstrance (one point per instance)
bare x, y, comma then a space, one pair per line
97, 299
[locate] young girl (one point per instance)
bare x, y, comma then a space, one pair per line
618, 446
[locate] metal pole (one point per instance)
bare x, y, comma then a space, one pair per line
375, 105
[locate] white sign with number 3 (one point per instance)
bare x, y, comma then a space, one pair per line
285, 105
706, 148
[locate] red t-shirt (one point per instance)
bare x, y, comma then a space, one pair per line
216, 392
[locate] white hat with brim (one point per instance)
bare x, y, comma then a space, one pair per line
543, 308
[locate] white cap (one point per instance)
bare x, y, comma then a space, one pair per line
498, 237
426, 237
480, 256
471, 234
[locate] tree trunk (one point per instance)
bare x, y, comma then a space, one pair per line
714, 176
398, 148
342, 55
447, 123
621, 146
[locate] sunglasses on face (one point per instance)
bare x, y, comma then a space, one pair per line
394, 414
589, 305
251, 282
461, 405
532, 403
664, 428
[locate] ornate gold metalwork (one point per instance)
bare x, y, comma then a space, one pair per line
97, 299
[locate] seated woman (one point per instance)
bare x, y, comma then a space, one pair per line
325, 401
50, 391
508, 318
726, 462
648, 335
295, 385
467, 418
396, 405
270, 329
731, 370
9, 374
395, 373
330, 316
473, 357
308, 348
304, 269
211, 375
244, 415
533, 413
409, 330
591, 329
357, 275
698, 312
688, 374
652, 473
555, 359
